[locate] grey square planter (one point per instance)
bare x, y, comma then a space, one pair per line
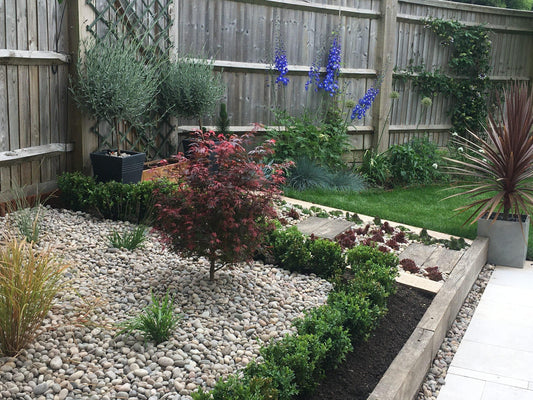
507, 240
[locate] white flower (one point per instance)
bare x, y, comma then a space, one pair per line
454, 133
435, 165
481, 151
460, 149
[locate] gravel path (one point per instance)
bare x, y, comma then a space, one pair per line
437, 373
79, 356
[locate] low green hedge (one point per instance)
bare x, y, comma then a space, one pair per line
295, 364
112, 200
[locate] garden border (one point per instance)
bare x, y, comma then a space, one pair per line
405, 375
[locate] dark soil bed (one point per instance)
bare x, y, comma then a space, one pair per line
360, 373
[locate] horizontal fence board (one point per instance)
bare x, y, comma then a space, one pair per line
32, 57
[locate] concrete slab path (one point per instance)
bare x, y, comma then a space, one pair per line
495, 358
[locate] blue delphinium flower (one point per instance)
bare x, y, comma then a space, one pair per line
364, 104
330, 83
281, 65
314, 76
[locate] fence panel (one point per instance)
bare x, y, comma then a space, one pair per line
33, 89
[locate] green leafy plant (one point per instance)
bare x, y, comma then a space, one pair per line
190, 89
29, 281
294, 251
157, 321
76, 190
130, 239
115, 85
256, 388
304, 355
502, 164
467, 83
112, 200
416, 162
323, 141
327, 323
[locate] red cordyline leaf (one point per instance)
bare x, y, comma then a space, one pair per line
502, 165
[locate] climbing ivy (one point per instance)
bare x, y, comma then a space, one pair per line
467, 82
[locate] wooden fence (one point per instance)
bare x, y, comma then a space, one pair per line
43, 134
33, 96
376, 36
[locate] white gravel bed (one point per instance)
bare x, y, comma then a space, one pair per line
437, 373
223, 325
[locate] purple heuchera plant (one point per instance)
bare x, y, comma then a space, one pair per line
364, 104
281, 65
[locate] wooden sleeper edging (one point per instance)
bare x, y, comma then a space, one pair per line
405, 375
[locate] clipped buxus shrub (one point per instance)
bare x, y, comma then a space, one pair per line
296, 252
218, 211
113, 200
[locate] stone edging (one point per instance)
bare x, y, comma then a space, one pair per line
407, 372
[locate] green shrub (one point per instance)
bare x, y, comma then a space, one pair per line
416, 162
76, 190
296, 252
322, 141
359, 255
29, 281
112, 200
190, 89
304, 355
157, 320
290, 249
124, 201
327, 324
281, 376
360, 315
130, 239
240, 389
326, 260
373, 281
375, 168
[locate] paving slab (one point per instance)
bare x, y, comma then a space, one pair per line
323, 227
496, 352
418, 252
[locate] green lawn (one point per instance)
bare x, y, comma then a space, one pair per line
420, 206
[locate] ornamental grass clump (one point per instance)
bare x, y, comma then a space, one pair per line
157, 321
130, 239
501, 164
29, 281
221, 207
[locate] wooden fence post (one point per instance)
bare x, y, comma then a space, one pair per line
385, 59
80, 15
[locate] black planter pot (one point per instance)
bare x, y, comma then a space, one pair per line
107, 167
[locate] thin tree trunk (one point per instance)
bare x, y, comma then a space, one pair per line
212, 270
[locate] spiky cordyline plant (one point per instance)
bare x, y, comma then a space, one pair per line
501, 164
